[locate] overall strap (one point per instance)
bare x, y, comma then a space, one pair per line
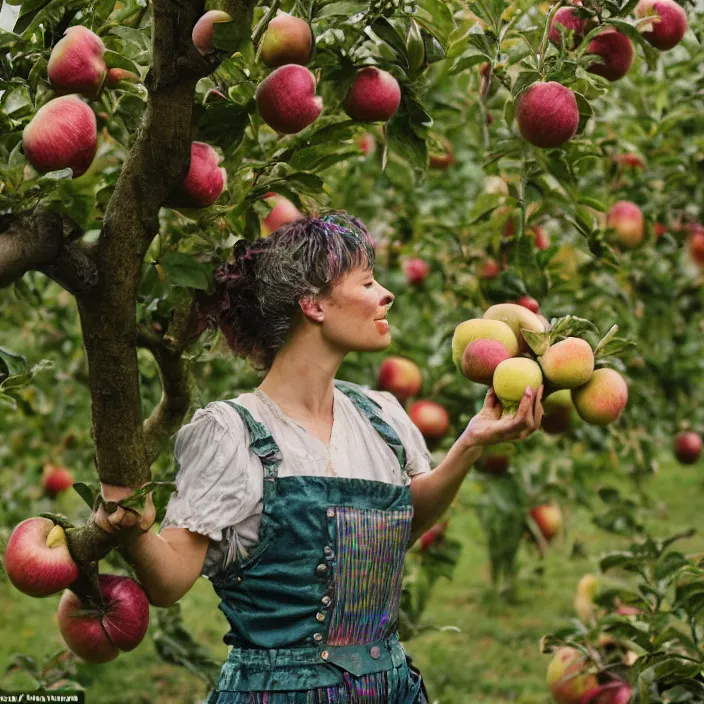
369, 408
261, 442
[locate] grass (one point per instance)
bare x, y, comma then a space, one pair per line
495, 658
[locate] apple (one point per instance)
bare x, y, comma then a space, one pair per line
443, 159
496, 460
287, 40
668, 26
374, 96
661, 229
567, 17
530, 303
688, 447
616, 692
115, 75
204, 182
434, 535
626, 220
489, 269
76, 63
695, 244
400, 376
202, 35
56, 479
547, 114
367, 143
99, 634
587, 588
282, 213
62, 134
568, 678
286, 99
548, 518
616, 51
629, 159
416, 270
37, 560
430, 418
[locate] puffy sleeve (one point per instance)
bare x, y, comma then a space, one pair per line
418, 457
211, 453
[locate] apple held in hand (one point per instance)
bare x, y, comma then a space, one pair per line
511, 379
37, 559
99, 634
602, 399
569, 363
76, 63
63, 134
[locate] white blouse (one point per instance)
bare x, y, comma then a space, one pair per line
220, 480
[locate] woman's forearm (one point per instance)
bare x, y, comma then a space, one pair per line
432, 492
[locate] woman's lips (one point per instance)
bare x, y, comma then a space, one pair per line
382, 325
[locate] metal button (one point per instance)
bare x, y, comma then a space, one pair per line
328, 551
320, 616
331, 512
317, 637
326, 600
321, 568
375, 652
324, 654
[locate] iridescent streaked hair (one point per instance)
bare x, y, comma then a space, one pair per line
256, 298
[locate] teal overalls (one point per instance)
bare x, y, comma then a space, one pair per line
313, 609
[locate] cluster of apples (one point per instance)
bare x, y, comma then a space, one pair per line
547, 112
39, 564
486, 350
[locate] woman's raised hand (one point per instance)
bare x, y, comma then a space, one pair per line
126, 524
489, 428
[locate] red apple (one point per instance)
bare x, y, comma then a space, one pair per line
548, 518
98, 635
287, 40
76, 63
489, 269
688, 447
566, 17
530, 303
661, 229
56, 479
202, 35
204, 181
434, 536
547, 114
616, 692
400, 376
115, 75
695, 243
480, 359
286, 99
626, 220
668, 26
495, 463
568, 678
629, 159
63, 134
374, 95
37, 560
617, 52
282, 213
542, 241
367, 143
430, 418
416, 270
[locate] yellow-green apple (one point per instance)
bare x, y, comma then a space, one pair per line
547, 114
530, 303
570, 21
99, 634
416, 270
626, 220
480, 359
480, 329
568, 676
511, 379
400, 376
587, 588
602, 399
548, 518
283, 212
434, 536
286, 99
517, 318
559, 413
204, 181
76, 63
37, 560
287, 40
616, 51
668, 26
688, 447
374, 95
430, 418
115, 75
569, 363
202, 35
56, 479
63, 134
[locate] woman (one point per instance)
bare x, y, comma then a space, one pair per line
299, 500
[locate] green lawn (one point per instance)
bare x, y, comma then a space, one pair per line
494, 658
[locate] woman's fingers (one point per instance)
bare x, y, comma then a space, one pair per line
539, 407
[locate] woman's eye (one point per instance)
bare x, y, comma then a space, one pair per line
371, 283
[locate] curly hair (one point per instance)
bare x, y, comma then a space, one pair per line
256, 296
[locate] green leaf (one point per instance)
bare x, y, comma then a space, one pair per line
230, 36
403, 140
524, 259
115, 60
183, 270
436, 16
341, 9
87, 492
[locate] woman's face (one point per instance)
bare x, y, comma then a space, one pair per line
353, 311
